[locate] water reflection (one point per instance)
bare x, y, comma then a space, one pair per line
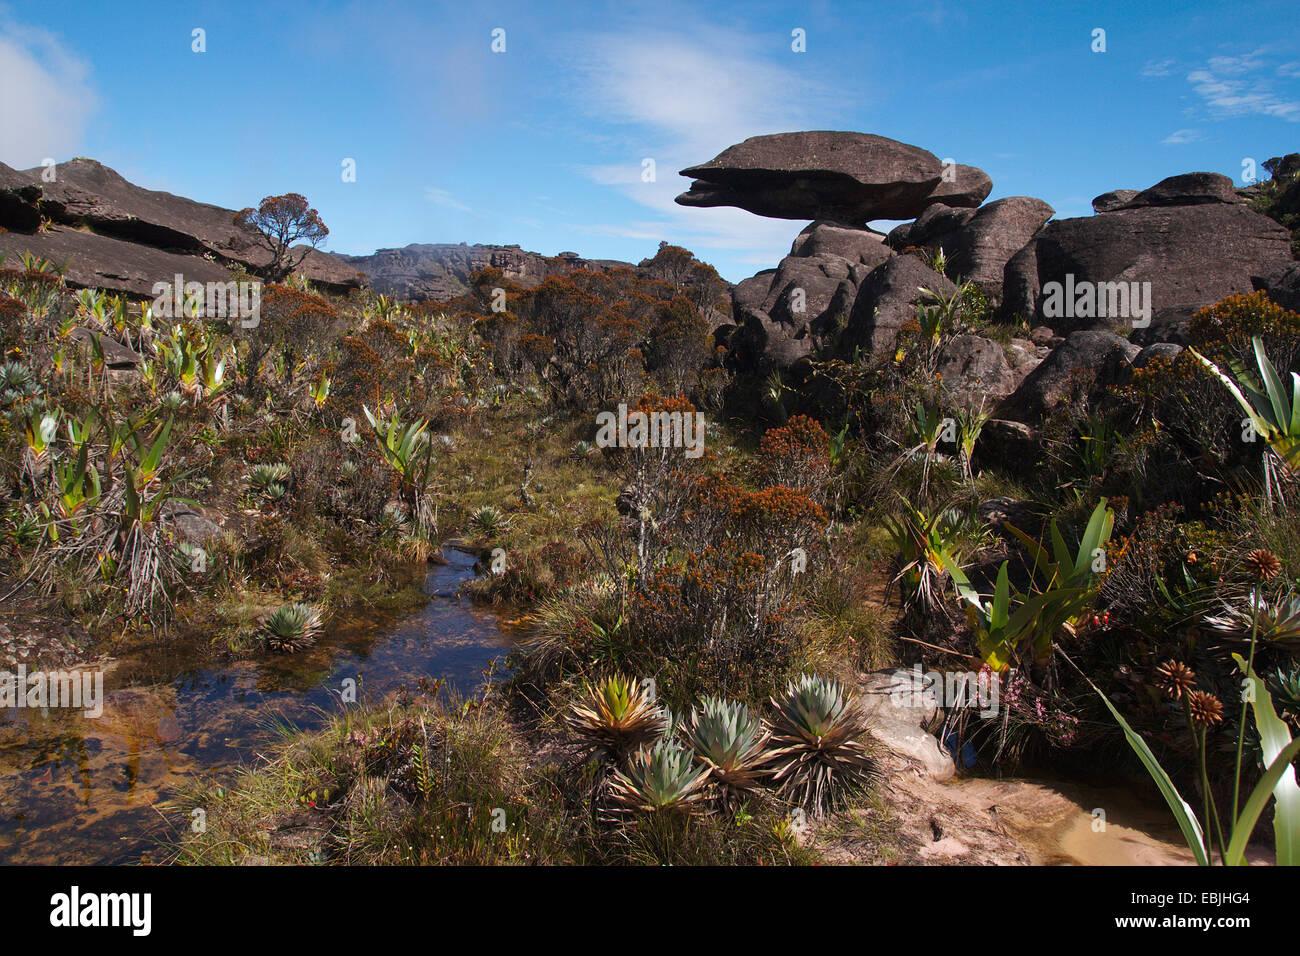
79, 790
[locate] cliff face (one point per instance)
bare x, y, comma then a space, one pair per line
435, 271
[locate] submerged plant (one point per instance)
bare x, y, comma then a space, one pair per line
818, 733
292, 627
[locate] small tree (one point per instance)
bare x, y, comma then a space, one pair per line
281, 221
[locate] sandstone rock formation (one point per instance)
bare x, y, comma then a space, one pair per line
976, 367
849, 178
424, 272
1188, 236
119, 236
979, 243
1103, 354
786, 313
886, 299
1115, 199
858, 246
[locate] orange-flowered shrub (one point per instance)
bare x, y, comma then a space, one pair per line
796, 454
377, 364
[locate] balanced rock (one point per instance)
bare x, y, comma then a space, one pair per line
844, 177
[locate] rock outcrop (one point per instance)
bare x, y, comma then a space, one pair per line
434, 272
859, 246
849, 178
886, 299
976, 368
1188, 236
977, 243
1102, 356
103, 262
787, 313
118, 236
1115, 199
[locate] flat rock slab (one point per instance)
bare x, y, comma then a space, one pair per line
845, 177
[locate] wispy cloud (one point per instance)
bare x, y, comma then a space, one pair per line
47, 96
1180, 136
1158, 68
1234, 86
680, 100
440, 197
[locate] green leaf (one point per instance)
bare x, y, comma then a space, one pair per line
1182, 812
1272, 383
1274, 739
1255, 804
1094, 536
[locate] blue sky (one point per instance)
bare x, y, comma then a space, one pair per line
542, 145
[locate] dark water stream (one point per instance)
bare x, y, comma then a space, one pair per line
85, 790
80, 790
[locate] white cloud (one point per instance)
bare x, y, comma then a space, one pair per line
680, 100
440, 197
1158, 68
1227, 90
1180, 136
47, 96
1236, 65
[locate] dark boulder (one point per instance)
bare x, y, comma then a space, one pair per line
975, 367
1187, 189
117, 357
858, 246
929, 228
844, 177
1159, 351
887, 298
980, 247
788, 313
1115, 199
1191, 256
964, 186
1085, 361
1284, 289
